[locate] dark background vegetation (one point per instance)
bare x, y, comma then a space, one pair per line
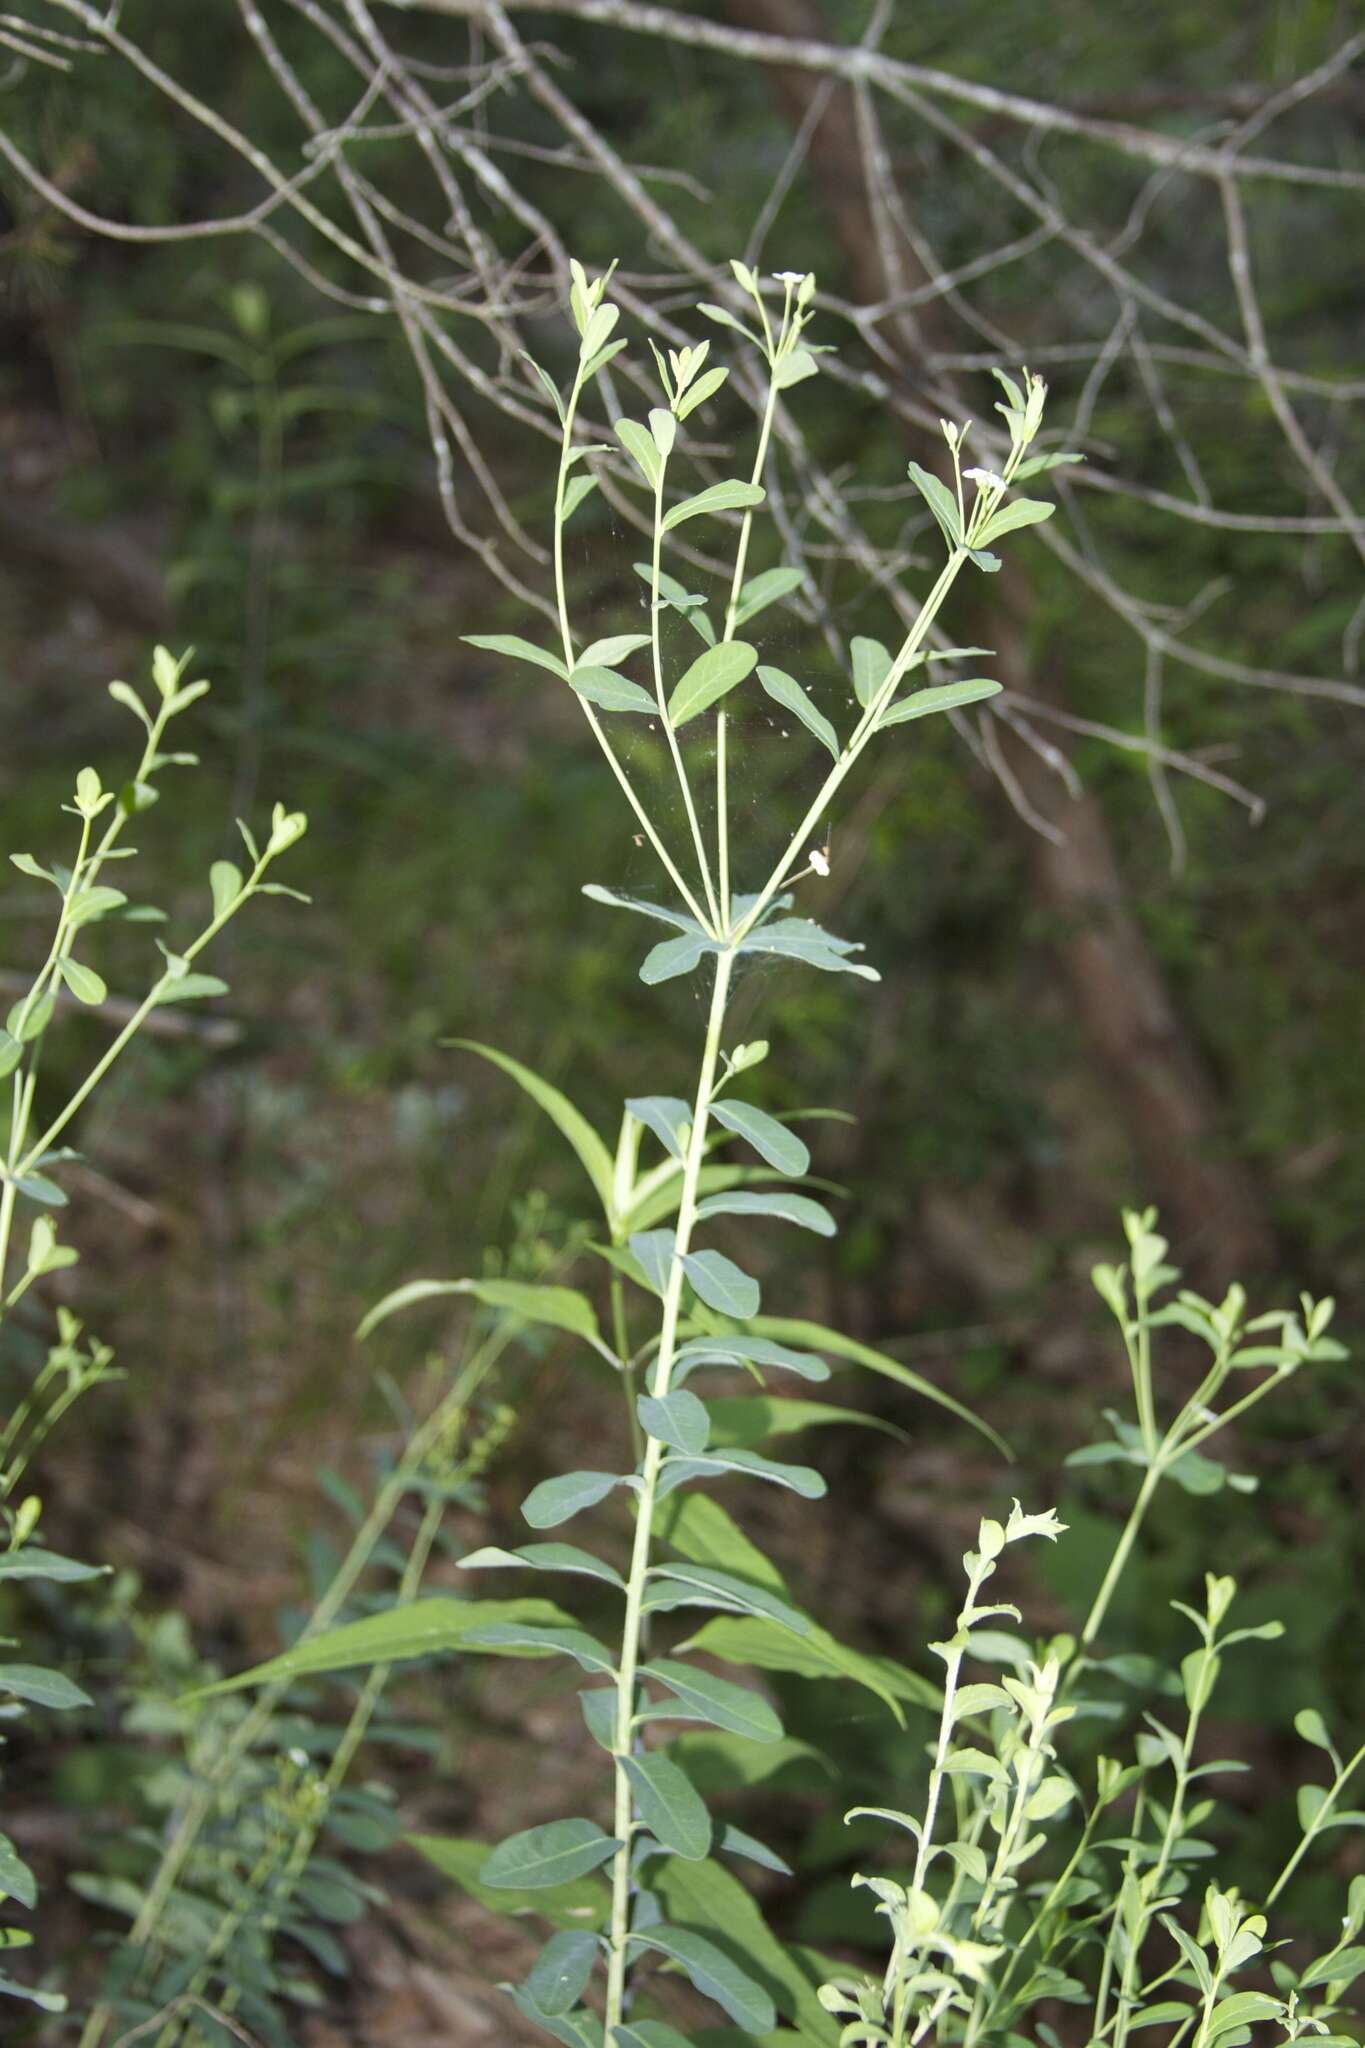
240, 1208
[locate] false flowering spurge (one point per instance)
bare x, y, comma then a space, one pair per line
979, 1937
31, 1192
657, 1813
703, 1308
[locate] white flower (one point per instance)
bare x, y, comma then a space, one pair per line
820, 863
987, 479
789, 277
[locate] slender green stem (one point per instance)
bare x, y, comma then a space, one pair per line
1137, 1514
862, 733
646, 823
656, 651
617, 1961
1319, 1820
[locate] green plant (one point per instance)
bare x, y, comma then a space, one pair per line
34, 1154
977, 1942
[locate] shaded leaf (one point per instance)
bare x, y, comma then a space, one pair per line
786, 691
671, 1809
547, 1856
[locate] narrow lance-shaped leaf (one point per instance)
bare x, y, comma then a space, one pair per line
725, 497
945, 697
417, 1628
799, 1331
941, 503
736, 1708
611, 692
786, 691
714, 1974
549, 1855
712, 676
593, 1155
559, 1307
772, 1141
517, 649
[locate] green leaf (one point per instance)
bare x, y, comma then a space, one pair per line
1019, 512
768, 587
561, 1308
603, 687
767, 1647
786, 691
559, 1975
584, 1902
580, 2029
800, 1331
518, 1637
678, 1470
27, 865
653, 1251
946, 697
11, 1052
85, 985
714, 1975
675, 956
548, 1856
704, 387
42, 1688
16, 1879
649, 2034
722, 1285
662, 913
88, 906
726, 497
575, 491
192, 988
123, 694
799, 938
675, 596
678, 1419
734, 1842
542, 1557
702, 1530
871, 667
788, 1208
668, 1116
225, 884
1310, 1726
673, 1812
744, 1419
1242, 2009
32, 1563
794, 368
710, 1899
29, 1020
611, 650
560, 1499
512, 645
736, 1708
712, 676
1342, 1966
417, 1628
941, 503
773, 1142
639, 444
737, 1347
592, 1152
730, 1590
